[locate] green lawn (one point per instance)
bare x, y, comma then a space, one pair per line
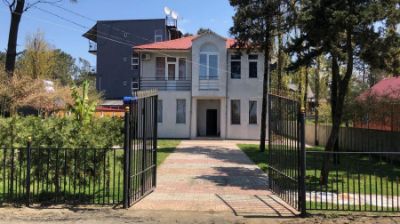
353, 174
79, 183
253, 152
165, 148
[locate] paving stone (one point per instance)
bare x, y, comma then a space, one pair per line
213, 176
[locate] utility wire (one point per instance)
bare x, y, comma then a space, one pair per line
124, 31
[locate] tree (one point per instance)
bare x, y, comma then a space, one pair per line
2, 57
38, 58
344, 30
254, 28
64, 67
17, 8
203, 30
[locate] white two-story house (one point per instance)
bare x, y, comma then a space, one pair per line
206, 87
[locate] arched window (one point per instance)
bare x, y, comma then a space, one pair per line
208, 62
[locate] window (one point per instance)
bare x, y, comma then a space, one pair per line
160, 68
135, 61
203, 66
124, 83
235, 67
182, 69
135, 85
159, 111
158, 35
208, 66
170, 68
181, 111
253, 58
235, 111
252, 112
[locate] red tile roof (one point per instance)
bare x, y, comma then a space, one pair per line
184, 43
387, 88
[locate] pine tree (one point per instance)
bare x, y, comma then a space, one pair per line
347, 31
254, 28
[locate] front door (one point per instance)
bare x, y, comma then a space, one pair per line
211, 125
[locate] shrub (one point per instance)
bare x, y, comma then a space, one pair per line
61, 132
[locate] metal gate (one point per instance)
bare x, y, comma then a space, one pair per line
286, 168
140, 158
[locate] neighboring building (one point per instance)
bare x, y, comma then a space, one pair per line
294, 88
205, 87
111, 41
380, 106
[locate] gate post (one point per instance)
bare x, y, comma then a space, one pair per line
28, 172
302, 164
126, 158
269, 138
155, 124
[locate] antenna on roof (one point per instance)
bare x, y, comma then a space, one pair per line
174, 15
171, 17
167, 11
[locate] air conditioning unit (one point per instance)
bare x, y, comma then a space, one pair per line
146, 57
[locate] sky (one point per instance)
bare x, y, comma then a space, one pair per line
193, 14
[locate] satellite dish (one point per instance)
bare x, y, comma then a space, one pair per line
174, 15
167, 11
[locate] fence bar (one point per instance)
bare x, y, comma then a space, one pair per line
302, 164
28, 172
126, 158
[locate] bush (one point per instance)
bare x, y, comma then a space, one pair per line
61, 132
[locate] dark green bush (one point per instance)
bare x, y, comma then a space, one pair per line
61, 132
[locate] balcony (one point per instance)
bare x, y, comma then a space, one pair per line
165, 85
209, 84
92, 47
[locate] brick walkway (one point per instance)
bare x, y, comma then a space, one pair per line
213, 176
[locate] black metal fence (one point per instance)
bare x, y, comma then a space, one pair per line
140, 146
357, 181
286, 150
106, 176
60, 175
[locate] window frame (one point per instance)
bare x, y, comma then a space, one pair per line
208, 54
250, 115
240, 65
160, 111
134, 82
158, 35
177, 120
232, 113
135, 61
177, 68
252, 61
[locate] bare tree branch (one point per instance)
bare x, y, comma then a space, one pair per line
30, 5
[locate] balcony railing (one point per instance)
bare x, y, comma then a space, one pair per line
165, 85
208, 84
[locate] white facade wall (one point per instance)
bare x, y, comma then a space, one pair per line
198, 100
168, 128
245, 89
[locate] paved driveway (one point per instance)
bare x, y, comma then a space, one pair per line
213, 176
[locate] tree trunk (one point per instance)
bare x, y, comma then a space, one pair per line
338, 93
306, 89
263, 130
317, 80
13, 37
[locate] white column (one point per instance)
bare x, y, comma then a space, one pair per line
193, 117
